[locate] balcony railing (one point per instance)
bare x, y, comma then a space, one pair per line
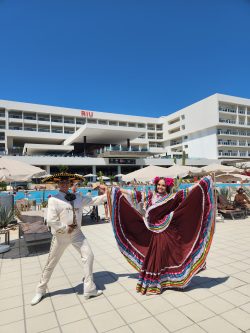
122, 148
228, 121
225, 109
43, 119
227, 143
15, 116
47, 130
16, 128
32, 129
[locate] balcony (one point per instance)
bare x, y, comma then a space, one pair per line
15, 116
227, 143
16, 128
227, 109
45, 130
29, 118
43, 119
227, 121
228, 154
32, 129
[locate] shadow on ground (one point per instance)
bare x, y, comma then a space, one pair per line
105, 277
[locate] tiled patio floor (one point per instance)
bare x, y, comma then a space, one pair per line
218, 299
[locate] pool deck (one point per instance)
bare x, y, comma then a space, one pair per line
218, 299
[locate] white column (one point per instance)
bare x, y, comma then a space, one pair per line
119, 169
47, 168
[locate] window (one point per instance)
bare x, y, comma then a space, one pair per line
102, 122
182, 116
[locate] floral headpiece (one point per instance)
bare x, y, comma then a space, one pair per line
168, 181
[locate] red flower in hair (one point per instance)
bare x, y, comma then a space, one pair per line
168, 181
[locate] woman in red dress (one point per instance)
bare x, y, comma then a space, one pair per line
165, 236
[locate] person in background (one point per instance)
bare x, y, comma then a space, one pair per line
64, 216
241, 200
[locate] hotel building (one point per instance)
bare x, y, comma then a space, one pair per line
215, 128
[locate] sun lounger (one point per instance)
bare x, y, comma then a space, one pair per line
232, 213
33, 229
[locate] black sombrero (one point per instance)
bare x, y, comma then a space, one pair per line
63, 176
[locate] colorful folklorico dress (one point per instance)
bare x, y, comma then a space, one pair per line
169, 242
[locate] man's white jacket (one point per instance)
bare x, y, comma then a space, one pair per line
60, 211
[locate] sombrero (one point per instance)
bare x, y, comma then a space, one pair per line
61, 176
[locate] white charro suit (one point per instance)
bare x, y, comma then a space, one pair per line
60, 214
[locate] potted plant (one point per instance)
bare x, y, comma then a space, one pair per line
6, 217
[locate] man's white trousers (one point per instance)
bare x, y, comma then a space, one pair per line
59, 243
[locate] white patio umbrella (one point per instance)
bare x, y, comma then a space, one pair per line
219, 169
103, 178
12, 170
119, 175
145, 174
226, 177
181, 171
89, 175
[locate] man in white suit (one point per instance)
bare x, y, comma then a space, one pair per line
65, 216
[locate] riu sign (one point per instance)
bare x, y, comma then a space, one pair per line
87, 114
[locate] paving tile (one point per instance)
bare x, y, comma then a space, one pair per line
232, 282
192, 329
134, 312
196, 311
11, 302
65, 301
110, 288
107, 321
41, 323
228, 269
82, 326
235, 297
156, 305
246, 307
71, 314
243, 276
244, 289
53, 330
123, 329
122, 299
238, 318
178, 298
217, 304
174, 320
16, 327
199, 293
148, 325
98, 306
9, 292
11, 315
45, 306
218, 324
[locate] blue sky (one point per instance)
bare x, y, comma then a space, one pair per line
140, 57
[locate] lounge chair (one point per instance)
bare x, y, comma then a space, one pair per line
227, 210
33, 228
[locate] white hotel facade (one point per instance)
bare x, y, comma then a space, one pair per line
215, 128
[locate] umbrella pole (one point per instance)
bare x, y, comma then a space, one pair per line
215, 194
